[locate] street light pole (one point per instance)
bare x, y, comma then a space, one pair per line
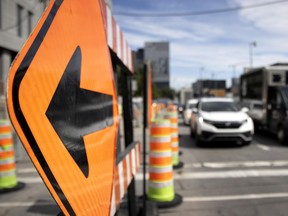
233, 70
251, 45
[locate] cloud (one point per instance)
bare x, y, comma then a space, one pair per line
272, 18
171, 28
212, 42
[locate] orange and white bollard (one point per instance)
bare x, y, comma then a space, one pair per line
8, 179
161, 188
172, 115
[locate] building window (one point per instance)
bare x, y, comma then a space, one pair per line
30, 20
19, 20
45, 3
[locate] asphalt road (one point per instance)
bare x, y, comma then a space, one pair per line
231, 180
224, 180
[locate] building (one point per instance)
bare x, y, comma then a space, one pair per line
235, 85
157, 53
185, 94
17, 20
209, 88
138, 58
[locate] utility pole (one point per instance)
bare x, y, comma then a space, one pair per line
201, 82
251, 45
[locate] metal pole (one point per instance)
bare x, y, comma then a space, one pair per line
201, 81
145, 124
251, 52
129, 136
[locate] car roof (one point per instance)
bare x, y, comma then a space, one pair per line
192, 101
217, 99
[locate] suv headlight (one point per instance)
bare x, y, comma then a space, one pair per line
201, 119
245, 121
208, 121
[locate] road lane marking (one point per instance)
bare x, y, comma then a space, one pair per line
25, 204
226, 174
30, 180
26, 170
232, 164
199, 175
214, 165
263, 147
185, 199
235, 197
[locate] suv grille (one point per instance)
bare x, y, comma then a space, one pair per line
227, 124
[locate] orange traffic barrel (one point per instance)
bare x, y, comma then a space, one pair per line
161, 186
8, 179
172, 115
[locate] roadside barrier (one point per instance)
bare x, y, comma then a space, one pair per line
8, 179
172, 115
161, 186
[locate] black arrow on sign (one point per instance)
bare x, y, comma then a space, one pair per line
74, 112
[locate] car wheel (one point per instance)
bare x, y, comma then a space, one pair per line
281, 135
247, 142
198, 140
192, 133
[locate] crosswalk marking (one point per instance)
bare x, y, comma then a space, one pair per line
30, 180
263, 147
232, 164
199, 175
25, 204
226, 174
205, 174
185, 199
215, 165
26, 170
235, 197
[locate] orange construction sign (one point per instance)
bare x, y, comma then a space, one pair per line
62, 102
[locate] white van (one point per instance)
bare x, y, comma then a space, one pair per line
190, 104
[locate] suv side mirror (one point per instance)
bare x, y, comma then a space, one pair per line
195, 110
244, 109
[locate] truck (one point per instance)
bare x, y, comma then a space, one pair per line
264, 91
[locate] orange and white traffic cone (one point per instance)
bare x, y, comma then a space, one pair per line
172, 115
8, 179
161, 188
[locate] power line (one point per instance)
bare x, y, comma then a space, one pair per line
197, 13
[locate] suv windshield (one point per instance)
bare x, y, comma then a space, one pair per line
191, 106
219, 106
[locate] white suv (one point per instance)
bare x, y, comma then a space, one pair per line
190, 104
221, 119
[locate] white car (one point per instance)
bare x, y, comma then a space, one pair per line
190, 104
221, 119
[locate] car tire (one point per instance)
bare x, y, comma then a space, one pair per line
246, 143
281, 135
198, 141
192, 133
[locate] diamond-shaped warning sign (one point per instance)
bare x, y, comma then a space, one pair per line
63, 105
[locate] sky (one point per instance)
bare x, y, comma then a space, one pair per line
214, 46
